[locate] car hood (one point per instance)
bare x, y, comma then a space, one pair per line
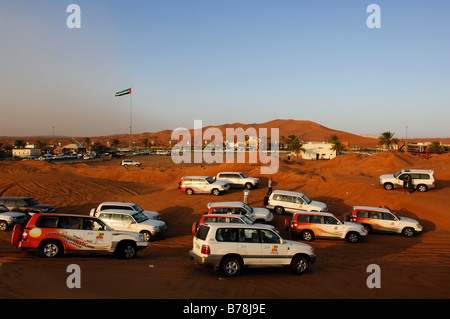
151, 214
260, 211
41, 206
318, 204
353, 225
153, 223
298, 244
408, 220
219, 183
387, 176
12, 214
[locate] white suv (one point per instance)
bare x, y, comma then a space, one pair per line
255, 214
238, 179
421, 179
130, 163
124, 206
287, 201
202, 185
131, 221
232, 247
8, 218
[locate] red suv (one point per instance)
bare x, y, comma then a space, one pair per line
53, 234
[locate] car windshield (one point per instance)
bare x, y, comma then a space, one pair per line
397, 174
137, 208
306, 199
31, 202
243, 175
248, 208
140, 217
246, 220
3, 209
210, 180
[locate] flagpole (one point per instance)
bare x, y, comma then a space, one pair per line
131, 118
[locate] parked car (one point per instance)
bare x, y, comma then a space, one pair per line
309, 225
378, 219
286, 201
421, 179
133, 221
162, 152
130, 163
231, 247
202, 185
8, 218
54, 234
26, 205
225, 218
123, 206
255, 214
237, 179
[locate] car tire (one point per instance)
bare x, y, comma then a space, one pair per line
352, 237
408, 232
189, 191
194, 228
279, 210
3, 226
50, 249
368, 228
388, 186
299, 265
307, 235
422, 188
287, 224
126, 250
230, 266
16, 234
215, 192
147, 235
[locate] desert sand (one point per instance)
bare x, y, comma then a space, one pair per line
411, 268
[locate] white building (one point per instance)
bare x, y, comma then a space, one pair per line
318, 151
26, 152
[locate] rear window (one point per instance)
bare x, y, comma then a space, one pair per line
47, 222
202, 232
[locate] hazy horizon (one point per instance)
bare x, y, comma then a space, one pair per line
224, 62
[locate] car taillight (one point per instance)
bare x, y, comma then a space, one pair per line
24, 235
294, 225
205, 250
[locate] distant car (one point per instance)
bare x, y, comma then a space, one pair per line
8, 218
231, 247
255, 214
124, 206
26, 205
287, 201
162, 152
54, 234
378, 219
133, 221
309, 225
421, 179
130, 163
225, 218
238, 179
202, 185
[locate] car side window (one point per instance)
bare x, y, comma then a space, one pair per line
47, 222
69, 222
226, 235
268, 237
127, 219
331, 220
248, 236
316, 219
424, 176
375, 215
303, 218
388, 216
362, 214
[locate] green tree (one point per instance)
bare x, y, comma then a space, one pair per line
115, 142
40, 145
387, 139
337, 145
19, 143
296, 146
436, 147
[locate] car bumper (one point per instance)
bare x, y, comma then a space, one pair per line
212, 260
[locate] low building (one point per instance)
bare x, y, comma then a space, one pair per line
318, 151
25, 152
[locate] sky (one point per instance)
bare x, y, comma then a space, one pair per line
224, 61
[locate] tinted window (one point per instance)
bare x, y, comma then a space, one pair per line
105, 216
47, 221
303, 218
316, 219
331, 220
268, 236
375, 215
226, 234
248, 236
31, 202
388, 216
202, 232
362, 214
424, 176
69, 222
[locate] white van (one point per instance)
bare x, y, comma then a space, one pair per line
287, 201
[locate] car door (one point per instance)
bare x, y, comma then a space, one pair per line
331, 227
96, 234
72, 233
249, 246
389, 223
273, 251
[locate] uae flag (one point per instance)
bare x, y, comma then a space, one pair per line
124, 92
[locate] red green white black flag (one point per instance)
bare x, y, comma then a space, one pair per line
124, 92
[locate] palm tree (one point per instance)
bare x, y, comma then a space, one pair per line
40, 145
115, 142
436, 147
387, 139
296, 146
337, 145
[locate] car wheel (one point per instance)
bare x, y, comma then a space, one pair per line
50, 249
307, 235
388, 186
299, 265
279, 210
147, 235
216, 192
189, 191
352, 237
422, 188
230, 266
3, 226
125, 165
408, 232
368, 228
126, 250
